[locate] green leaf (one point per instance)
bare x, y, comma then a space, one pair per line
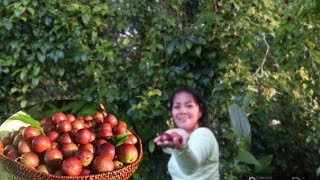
25, 2
318, 171
170, 48
8, 25
264, 162
247, 157
239, 121
154, 92
152, 146
120, 139
198, 51
86, 18
23, 103
188, 44
26, 118
41, 57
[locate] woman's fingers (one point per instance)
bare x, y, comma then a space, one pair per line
173, 138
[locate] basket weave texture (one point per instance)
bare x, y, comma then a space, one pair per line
16, 171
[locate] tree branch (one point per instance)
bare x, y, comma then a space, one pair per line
260, 69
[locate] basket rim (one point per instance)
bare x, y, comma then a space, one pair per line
133, 166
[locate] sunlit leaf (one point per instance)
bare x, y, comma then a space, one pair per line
26, 118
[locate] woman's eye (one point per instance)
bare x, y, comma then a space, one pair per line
176, 107
189, 105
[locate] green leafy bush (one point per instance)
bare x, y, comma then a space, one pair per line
263, 56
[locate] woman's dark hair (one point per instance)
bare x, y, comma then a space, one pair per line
204, 119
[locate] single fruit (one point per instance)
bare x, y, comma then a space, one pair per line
98, 142
88, 118
176, 137
13, 154
89, 147
16, 140
53, 135
119, 129
127, 153
57, 117
30, 159
83, 136
98, 117
123, 123
104, 134
53, 157
104, 125
65, 138
165, 137
132, 139
47, 127
78, 124
24, 146
71, 166
64, 126
40, 144
102, 164
106, 149
70, 117
69, 149
8, 148
14, 134
117, 164
111, 119
30, 132
85, 156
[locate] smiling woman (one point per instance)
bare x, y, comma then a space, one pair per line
193, 147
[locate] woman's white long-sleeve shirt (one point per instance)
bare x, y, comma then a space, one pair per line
198, 160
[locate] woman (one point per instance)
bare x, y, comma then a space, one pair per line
193, 147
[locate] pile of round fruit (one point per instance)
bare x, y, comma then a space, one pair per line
73, 146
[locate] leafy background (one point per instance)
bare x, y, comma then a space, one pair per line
261, 58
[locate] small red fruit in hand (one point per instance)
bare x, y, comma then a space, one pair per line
177, 137
166, 137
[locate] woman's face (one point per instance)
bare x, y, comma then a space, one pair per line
185, 111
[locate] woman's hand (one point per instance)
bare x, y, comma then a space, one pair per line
177, 139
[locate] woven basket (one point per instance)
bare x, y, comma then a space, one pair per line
16, 171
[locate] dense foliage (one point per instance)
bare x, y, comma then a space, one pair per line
263, 56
